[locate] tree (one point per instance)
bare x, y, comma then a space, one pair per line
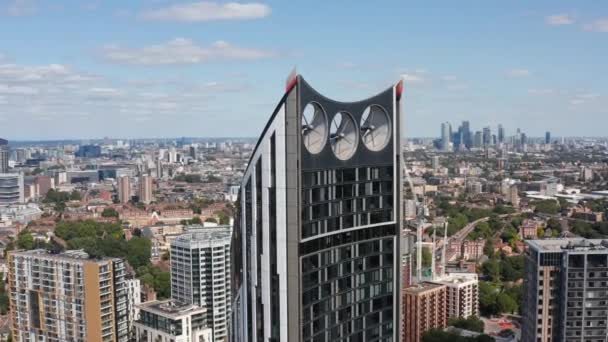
473, 323
550, 207
491, 269
139, 251
75, 196
109, 212
25, 240
487, 299
488, 248
506, 304
210, 220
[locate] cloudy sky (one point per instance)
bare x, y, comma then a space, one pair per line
154, 68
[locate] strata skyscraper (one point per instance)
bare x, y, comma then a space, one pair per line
317, 246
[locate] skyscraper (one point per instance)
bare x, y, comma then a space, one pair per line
478, 139
200, 275
564, 296
319, 223
67, 297
501, 134
124, 189
145, 189
446, 136
487, 136
466, 134
547, 137
4, 155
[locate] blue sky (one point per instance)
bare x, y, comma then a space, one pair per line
154, 68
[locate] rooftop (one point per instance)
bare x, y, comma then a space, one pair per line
423, 287
201, 234
170, 309
71, 255
574, 243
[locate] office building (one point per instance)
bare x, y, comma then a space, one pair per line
487, 136
4, 156
564, 296
547, 138
89, 151
124, 189
462, 294
12, 188
478, 142
164, 321
319, 230
446, 135
424, 308
501, 134
200, 275
145, 189
67, 297
466, 134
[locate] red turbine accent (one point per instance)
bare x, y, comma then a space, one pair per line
399, 90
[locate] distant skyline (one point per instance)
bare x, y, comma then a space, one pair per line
158, 68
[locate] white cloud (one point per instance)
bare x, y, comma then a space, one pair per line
583, 98
412, 78
448, 78
17, 90
542, 91
182, 51
600, 25
208, 11
18, 8
559, 19
517, 73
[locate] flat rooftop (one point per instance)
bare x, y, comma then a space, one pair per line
170, 309
423, 287
574, 243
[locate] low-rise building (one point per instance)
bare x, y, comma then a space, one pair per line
171, 321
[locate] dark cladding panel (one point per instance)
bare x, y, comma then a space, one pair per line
362, 156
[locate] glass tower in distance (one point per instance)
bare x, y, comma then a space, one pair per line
316, 247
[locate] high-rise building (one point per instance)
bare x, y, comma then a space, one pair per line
193, 152
478, 143
501, 134
44, 184
424, 308
487, 136
318, 254
446, 136
67, 297
200, 275
547, 137
124, 189
466, 134
172, 155
145, 189
564, 296
462, 294
133, 291
514, 196
4, 156
11, 188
